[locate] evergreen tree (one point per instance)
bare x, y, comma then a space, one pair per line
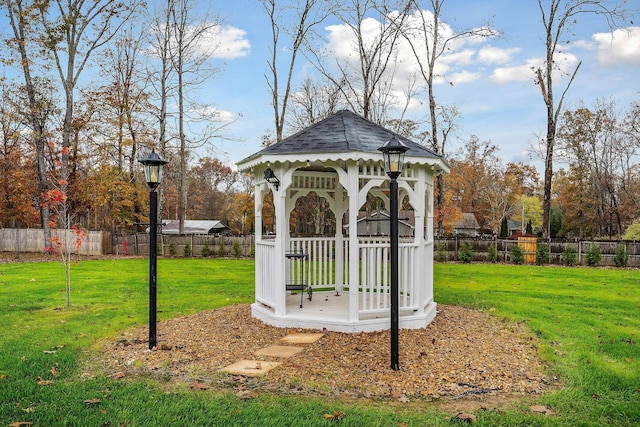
504, 228
556, 222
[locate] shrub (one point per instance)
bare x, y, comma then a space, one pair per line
492, 254
186, 251
517, 255
172, 249
222, 250
593, 256
568, 256
621, 256
236, 248
542, 254
441, 253
465, 253
206, 250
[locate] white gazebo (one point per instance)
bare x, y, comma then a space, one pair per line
338, 159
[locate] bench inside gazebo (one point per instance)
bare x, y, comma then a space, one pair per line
341, 282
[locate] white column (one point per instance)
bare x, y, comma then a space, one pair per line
424, 263
352, 192
339, 239
282, 231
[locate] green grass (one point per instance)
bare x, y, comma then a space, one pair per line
587, 320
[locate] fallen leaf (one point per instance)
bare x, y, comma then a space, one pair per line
397, 394
54, 371
336, 416
468, 418
28, 410
199, 386
49, 352
244, 394
44, 382
93, 401
595, 396
117, 375
20, 424
541, 409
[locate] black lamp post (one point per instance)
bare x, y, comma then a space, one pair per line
393, 152
153, 165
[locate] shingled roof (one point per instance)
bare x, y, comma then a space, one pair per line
343, 132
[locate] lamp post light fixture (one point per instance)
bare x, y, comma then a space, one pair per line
271, 178
393, 152
153, 165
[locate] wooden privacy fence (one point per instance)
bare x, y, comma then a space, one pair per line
449, 249
174, 245
19, 240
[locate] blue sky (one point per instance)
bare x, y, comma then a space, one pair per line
489, 81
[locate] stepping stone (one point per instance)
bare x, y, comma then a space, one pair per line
302, 338
250, 368
279, 351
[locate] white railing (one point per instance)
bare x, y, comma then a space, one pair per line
375, 281
322, 270
320, 264
266, 287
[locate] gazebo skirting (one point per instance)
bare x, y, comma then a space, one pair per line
336, 304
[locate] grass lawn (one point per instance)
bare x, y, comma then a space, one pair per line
588, 321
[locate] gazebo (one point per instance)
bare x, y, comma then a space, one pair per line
340, 282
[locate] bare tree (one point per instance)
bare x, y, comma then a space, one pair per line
22, 19
429, 40
558, 17
365, 78
308, 14
313, 101
185, 41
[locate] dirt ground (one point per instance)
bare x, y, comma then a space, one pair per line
464, 355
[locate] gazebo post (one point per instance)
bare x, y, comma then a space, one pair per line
352, 191
282, 229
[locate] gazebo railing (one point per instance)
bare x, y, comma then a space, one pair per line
322, 271
374, 274
320, 264
266, 291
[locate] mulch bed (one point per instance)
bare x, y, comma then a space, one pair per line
462, 353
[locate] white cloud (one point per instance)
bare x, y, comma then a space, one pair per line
621, 46
226, 43
496, 55
218, 42
518, 73
212, 114
565, 64
464, 77
463, 57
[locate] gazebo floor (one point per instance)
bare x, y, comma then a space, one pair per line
330, 311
